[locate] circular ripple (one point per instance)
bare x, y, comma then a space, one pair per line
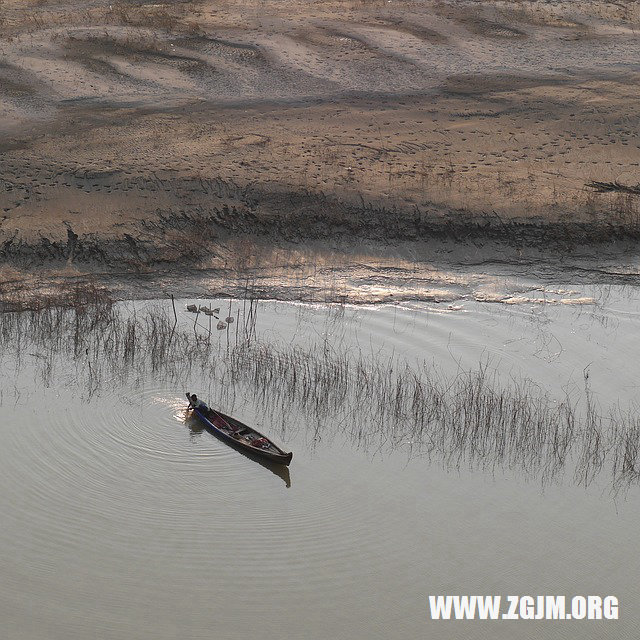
126, 465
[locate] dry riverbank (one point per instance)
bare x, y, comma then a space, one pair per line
141, 136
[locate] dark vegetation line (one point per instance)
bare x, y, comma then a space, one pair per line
614, 187
470, 420
303, 215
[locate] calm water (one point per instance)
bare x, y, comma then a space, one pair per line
122, 519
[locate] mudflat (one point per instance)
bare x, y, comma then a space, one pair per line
135, 134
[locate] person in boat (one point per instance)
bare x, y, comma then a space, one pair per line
198, 404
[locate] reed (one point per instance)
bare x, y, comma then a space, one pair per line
471, 420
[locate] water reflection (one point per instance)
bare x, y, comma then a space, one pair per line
197, 428
469, 419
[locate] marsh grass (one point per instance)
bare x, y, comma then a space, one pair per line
614, 187
470, 420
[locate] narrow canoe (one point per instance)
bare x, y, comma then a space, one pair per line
240, 435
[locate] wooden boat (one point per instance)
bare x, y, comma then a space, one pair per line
196, 426
240, 435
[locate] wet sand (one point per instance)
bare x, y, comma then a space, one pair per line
191, 135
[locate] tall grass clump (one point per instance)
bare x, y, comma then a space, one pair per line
469, 420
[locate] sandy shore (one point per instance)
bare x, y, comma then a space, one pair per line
137, 135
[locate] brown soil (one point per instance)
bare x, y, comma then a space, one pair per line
135, 135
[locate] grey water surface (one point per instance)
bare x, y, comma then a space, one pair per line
121, 518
